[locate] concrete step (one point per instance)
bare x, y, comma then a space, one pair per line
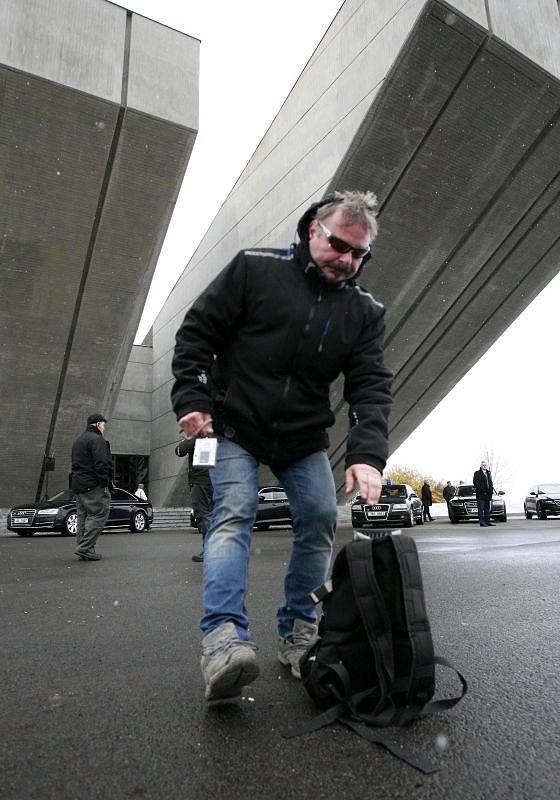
172, 518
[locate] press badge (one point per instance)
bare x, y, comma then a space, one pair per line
205, 452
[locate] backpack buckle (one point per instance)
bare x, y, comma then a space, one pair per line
322, 591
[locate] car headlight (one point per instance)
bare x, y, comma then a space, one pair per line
399, 506
356, 508
47, 512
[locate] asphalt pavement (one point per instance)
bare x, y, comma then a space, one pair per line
101, 694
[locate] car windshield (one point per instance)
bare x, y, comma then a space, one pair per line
465, 491
62, 497
393, 491
549, 488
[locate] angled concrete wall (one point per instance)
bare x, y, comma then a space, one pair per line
449, 110
99, 116
132, 415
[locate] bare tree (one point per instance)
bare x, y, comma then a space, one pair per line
498, 468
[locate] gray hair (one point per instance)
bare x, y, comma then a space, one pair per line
357, 208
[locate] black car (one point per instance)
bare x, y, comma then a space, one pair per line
59, 514
398, 505
273, 508
463, 506
543, 499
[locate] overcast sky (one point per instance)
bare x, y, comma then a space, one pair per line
251, 55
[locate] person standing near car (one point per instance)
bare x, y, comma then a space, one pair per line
426, 502
201, 491
484, 489
92, 472
140, 493
253, 363
448, 492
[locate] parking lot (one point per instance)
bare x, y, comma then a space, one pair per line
102, 695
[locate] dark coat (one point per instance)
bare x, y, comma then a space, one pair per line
92, 464
426, 495
199, 476
483, 486
281, 335
448, 493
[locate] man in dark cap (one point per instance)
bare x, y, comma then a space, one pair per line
92, 472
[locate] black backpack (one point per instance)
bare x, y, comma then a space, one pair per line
373, 663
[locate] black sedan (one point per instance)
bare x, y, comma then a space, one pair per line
59, 514
399, 505
543, 499
273, 508
463, 506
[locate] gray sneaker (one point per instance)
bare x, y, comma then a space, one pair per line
228, 663
290, 651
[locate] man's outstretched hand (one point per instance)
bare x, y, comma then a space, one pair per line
368, 480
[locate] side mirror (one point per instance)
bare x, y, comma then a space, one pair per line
502, 493
532, 494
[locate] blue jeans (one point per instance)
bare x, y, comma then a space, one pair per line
309, 484
483, 511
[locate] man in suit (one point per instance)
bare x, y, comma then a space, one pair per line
484, 489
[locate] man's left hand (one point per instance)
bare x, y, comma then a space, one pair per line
368, 479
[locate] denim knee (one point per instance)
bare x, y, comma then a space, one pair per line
321, 518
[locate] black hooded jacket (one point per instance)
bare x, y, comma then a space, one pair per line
261, 346
92, 464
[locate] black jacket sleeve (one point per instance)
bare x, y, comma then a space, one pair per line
367, 390
207, 327
102, 461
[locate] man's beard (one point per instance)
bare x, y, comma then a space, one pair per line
341, 269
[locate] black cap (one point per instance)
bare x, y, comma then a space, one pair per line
93, 418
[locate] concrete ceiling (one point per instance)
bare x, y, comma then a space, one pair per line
463, 147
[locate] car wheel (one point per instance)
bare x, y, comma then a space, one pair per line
453, 519
419, 520
528, 514
26, 534
541, 513
410, 521
70, 524
138, 522
503, 517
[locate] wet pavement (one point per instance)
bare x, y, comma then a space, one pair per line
102, 695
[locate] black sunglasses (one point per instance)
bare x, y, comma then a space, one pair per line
340, 245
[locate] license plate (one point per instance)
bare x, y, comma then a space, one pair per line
20, 520
375, 513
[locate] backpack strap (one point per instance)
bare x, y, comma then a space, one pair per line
449, 702
373, 611
422, 675
394, 747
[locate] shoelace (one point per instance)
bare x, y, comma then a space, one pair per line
302, 640
225, 644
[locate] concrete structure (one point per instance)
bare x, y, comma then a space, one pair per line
449, 110
99, 117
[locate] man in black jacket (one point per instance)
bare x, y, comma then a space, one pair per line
254, 361
448, 492
426, 502
92, 472
200, 487
484, 489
